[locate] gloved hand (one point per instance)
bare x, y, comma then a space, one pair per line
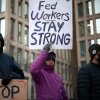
47, 47
6, 80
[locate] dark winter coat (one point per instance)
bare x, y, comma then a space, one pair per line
9, 67
88, 82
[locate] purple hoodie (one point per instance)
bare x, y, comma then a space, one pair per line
49, 85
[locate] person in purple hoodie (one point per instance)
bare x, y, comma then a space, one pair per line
48, 84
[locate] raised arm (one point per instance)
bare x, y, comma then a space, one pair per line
39, 63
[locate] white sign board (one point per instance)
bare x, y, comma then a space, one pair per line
16, 90
50, 21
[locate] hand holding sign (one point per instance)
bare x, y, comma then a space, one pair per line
6, 81
47, 47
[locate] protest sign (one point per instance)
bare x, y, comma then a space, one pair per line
16, 90
50, 21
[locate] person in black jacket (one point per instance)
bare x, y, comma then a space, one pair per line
9, 69
88, 80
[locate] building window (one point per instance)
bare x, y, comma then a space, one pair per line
2, 27
62, 70
32, 91
80, 10
2, 5
65, 54
12, 50
68, 72
97, 6
66, 87
19, 31
90, 42
98, 26
26, 36
12, 6
19, 8
88, 8
61, 54
83, 63
26, 10
12, 23
26, 60
58, 67
19, 55
66, 77
71, 91
98, 40
82, 48
32, 57
81, 28
90, 30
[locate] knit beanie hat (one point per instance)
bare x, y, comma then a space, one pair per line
51, 56
93, 50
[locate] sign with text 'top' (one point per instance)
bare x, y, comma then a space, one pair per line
15, 90
50, 21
